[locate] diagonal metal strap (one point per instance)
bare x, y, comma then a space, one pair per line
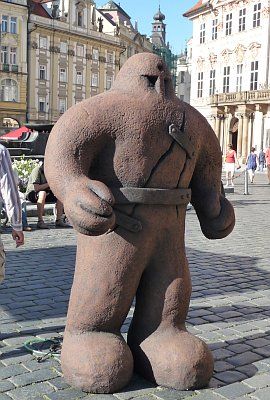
182, 139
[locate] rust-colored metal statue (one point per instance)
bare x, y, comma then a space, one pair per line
125, 164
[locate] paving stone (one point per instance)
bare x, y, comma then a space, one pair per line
12, 370
262, 394
220, 354
167, 394
239, 348
234, 391
230, 376
4, 396
221, 366
259, 381
33, 377
207, 395
5, 386
245, 358
31, 392
58, 383
263, 351
67, 394
102, 397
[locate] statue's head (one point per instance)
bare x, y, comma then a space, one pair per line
145, 72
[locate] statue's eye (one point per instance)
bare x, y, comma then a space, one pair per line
151, 80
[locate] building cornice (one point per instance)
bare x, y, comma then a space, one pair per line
52, 26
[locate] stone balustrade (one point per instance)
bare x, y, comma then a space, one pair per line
262, 96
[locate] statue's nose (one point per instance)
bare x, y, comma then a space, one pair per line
160, 84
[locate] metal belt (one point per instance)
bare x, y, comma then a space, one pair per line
148, 196
151, 196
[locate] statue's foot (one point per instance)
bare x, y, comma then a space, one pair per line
173, 358
96, 362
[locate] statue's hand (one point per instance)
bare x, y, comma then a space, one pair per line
88, 206
221, 225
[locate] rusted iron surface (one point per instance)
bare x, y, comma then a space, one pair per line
124, 138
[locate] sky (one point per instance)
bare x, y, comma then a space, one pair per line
179, 29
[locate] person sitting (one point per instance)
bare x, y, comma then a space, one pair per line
38, 192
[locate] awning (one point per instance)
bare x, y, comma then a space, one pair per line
16, 134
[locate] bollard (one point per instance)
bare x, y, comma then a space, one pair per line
246, 181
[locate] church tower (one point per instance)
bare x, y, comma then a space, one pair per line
159, 30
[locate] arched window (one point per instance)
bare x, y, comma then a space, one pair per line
9, 90
80, 18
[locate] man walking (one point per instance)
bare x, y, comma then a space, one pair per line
10, 197
267, 159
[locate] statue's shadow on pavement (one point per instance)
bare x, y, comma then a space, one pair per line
34, 298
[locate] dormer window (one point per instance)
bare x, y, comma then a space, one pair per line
80, 18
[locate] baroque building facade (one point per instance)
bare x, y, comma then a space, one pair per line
113, 20
13, 63
69, 59
229, 66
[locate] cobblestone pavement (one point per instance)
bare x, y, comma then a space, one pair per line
230, 308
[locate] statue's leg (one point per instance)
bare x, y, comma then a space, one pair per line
164, 352
108, 269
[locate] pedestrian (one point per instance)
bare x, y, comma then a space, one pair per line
231, 163
10, 197
39, 193
252, 164
261, 159
267, 161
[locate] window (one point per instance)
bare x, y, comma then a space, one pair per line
62, 106
4, 25
228, 26
254, 75
239, 77
43, 42
202, 33
95, 55
257, 15
242, 20
80, 18
4, 54
182, 76
13, 25
79, 79
63, 47
63, 75
42, 72
94, 80
9, 90
226, 79
214, 29
212, 87
200, 84
109, 82
79, 50
110, 58
13, 56
41, 104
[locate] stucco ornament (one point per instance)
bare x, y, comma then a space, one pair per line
239, 52
125, 164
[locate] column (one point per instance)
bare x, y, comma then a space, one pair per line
239, 135
217, 130
245, 138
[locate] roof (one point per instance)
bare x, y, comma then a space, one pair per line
37, 8
199, 5
112, 6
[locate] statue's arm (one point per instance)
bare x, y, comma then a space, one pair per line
215, 212
73, 143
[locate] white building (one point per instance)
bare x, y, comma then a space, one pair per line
230, 76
